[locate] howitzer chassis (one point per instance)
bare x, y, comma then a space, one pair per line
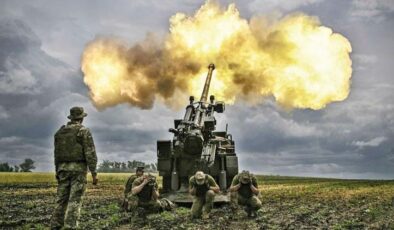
196, 146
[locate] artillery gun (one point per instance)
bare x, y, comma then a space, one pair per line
196, 146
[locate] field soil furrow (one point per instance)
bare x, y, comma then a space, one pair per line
28, 199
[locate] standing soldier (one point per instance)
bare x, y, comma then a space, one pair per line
203, 187
244, 186
74, 155
130, 201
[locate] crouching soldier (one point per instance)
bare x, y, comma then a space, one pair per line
244, 191
146, 191
203, 188
129, 200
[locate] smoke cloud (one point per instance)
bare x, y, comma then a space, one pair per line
295, 60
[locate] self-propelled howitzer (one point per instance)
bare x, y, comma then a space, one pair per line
196, 146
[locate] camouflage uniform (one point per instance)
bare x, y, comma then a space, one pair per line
71, 175
204, 197
130, 201
145, 198
244, 196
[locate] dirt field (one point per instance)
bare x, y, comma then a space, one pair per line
27, 201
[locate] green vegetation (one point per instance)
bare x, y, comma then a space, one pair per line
28, 199
20, 179
26, 166
130, 166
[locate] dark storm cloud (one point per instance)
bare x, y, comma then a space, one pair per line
40, 47
126, 133
347, 139
36, 92
28, 80
66, 26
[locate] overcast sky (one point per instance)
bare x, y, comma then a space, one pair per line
40, 79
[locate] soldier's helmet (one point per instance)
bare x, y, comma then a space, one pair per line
140, 169
200, 177
76, 113
244, 177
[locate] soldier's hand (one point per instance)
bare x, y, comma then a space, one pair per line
95, 180
145, 181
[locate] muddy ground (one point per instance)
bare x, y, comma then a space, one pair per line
288, 203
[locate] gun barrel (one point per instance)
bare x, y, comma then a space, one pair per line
204, 95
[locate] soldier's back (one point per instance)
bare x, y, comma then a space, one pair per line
129, 184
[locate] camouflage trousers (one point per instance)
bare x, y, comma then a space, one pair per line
70, 190
132, 203
154, 206
202, 204
253, 203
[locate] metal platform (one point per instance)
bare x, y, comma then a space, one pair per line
186, 198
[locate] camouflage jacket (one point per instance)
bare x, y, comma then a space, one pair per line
129, 184
86, 140
202, 189
245, 190
146, 193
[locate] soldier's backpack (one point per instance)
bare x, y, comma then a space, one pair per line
68, 147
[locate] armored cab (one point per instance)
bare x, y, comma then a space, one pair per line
197, 146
